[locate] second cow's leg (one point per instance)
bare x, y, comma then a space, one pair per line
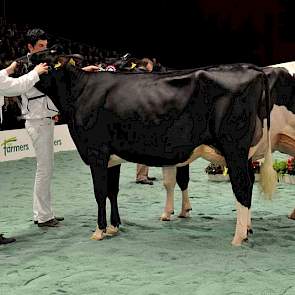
182, 179
169, 181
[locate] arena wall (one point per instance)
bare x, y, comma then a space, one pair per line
16, 144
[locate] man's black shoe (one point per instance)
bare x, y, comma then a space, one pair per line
57, 218
6, 240
145, 181
152, 178
50, 223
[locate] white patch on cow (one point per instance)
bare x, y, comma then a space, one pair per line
98, 234
115, 160
290, 66
282, 134
169, 182
206, 152
186, 205
112, 231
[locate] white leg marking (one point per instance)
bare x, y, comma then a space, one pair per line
112, 231
186, 205
98, 234
241, 225
169, 182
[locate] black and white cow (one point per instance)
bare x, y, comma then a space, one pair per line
160, 119
282, 135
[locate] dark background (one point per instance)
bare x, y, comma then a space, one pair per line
180, 33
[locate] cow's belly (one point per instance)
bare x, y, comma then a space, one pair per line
167, 142
157, 159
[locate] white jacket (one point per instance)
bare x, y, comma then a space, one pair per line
37, 105
15, 86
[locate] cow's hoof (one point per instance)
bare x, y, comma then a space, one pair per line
238, 240
292, 215
112, 231
185, 213
98, 235
166, 216
250, 231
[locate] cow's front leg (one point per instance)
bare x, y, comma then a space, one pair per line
113, 190
169, 181
241, 232
98, 166
242, 180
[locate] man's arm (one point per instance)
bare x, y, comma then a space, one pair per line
91, 68
16, 86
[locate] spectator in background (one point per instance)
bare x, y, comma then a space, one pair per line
13, 45
142, 171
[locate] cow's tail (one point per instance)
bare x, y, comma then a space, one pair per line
268, 176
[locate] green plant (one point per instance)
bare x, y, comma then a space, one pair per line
281, 167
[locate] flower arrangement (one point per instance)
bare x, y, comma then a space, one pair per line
214, 169
291, 166
219, 173
256, 167
286, 170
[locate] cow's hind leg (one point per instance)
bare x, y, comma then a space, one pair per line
242, 180
98, 167
182, 179
113, 190
169, 181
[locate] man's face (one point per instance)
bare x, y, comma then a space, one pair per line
39, 46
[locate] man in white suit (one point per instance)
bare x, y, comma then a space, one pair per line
16, 86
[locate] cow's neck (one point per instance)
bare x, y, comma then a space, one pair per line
68, 89
76, 79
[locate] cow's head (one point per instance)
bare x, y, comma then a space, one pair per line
54, 57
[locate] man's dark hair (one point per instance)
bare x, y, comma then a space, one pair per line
34, 35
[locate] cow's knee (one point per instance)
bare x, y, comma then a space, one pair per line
169, 182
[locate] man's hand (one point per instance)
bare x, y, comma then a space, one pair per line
11, 69
41, 68
91, 68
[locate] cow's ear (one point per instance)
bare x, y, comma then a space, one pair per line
57, 65
72, 62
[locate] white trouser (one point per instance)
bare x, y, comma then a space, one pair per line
41, 133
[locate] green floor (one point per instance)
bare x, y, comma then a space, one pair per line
191, 256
